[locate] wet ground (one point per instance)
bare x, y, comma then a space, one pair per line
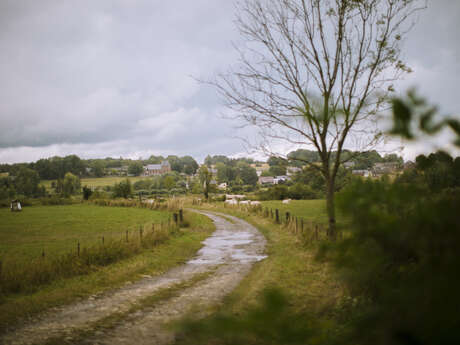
227, 256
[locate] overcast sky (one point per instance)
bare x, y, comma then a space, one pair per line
114, 78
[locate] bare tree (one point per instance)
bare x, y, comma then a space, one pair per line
317, 73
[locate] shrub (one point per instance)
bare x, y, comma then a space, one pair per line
402, 260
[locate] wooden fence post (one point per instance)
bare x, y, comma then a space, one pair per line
181, 216
78, 249
175, 218
287, 217
296, 225
277, 215
140, 232
102, 240
316, 232
43, 253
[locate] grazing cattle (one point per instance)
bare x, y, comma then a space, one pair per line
286, 201
245, 202
255, 203
231, 202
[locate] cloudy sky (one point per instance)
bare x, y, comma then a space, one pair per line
117, 78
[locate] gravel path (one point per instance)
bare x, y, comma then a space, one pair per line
227, 255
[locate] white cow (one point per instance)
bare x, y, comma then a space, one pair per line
286, 201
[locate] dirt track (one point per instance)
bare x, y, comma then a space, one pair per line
226, 257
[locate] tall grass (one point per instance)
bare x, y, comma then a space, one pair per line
18, 276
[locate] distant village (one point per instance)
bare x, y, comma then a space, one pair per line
262, 170
157, 175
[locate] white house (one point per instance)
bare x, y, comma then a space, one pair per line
364, 173
282, 178
266, 180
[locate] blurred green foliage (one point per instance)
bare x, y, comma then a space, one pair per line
401, 262
269, 323
413, 115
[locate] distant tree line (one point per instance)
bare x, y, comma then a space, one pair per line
240, 175
361, 160
437, 172
56, 167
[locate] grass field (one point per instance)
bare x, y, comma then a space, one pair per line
57, 229
310, 210
314, 210
99, 181
151, 261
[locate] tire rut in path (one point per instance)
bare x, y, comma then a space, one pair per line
233, 248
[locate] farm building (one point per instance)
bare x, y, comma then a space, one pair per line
157, 169
273, 179
282, 179
364, 173
266, 180
385, 168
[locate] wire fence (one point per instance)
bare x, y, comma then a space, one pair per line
25, 275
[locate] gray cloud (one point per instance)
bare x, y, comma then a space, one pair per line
433, 51
114, 77
92, 73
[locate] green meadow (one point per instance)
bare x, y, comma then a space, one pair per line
312, 210
30, 284
96, 182
57, 229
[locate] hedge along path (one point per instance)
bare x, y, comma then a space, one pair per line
227, 256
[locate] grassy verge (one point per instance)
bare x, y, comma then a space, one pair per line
309, 286
150, 261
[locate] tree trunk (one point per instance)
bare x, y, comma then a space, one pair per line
206, 191
330, 205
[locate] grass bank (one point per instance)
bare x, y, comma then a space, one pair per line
152, 261
313, 294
